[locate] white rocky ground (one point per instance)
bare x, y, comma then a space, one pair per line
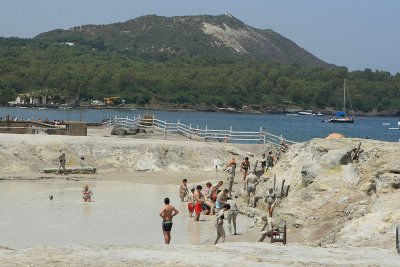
228, 254
333, 201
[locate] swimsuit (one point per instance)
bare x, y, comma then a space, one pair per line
166, 226
198, 207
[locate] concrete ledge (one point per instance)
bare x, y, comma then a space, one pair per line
72, 170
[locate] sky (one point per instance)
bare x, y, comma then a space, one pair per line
358, 34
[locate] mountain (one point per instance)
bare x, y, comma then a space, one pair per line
188, 36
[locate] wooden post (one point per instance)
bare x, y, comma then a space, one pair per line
260, 142
205, 135
177, 126
190, 131
287, 190
165, 130
255, 167
283, 184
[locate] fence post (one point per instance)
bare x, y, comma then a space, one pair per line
205, 135
190, 131
152, 121
260, 142
177, 126
165, 130
265, 137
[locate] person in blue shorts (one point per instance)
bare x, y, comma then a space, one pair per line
167, 213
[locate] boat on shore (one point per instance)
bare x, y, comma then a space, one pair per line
341, 116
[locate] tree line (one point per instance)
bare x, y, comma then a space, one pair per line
84, 73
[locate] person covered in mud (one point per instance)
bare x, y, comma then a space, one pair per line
183, 190
269, 226
232, 214
87, 193
167, 213
251, 183
230, 170
61, 161
222, 197
219, 224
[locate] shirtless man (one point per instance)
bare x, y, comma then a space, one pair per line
167, 213
199, 200
250, 185
183, 190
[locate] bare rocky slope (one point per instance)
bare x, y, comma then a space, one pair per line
334, 200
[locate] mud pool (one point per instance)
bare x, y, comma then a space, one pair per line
121, 213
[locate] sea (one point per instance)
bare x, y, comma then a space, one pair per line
296, 128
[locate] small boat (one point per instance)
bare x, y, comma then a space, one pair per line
319, 114
306, 113
23, 107
341, 117
292, 114
394, 128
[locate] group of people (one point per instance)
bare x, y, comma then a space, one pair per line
212, 200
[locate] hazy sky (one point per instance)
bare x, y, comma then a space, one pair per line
358, 34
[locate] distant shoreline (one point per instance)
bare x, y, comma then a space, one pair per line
325, 112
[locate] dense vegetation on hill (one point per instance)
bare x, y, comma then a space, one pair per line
94, 68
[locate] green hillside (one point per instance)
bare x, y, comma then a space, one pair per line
171, 62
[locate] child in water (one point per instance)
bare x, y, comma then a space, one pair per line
87, 194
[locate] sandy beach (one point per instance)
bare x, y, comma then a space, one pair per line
150, 160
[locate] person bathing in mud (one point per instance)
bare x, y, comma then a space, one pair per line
219, 224
167, 213
87, 194
199, 200
245, 167
191, 201
183, 190
61, 161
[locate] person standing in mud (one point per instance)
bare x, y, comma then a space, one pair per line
232, 214
199, 200
219, 224
167, 213
61, 160
87, 193
183, 190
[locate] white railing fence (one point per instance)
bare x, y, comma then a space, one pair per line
196, 133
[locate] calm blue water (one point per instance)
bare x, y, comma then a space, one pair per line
300, 128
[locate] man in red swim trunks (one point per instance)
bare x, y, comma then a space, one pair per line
199, 200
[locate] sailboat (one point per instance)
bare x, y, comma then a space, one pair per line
341, 116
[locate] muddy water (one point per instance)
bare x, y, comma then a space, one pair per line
122, 213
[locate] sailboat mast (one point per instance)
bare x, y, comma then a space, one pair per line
344, 95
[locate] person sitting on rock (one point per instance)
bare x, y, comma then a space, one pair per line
271, 224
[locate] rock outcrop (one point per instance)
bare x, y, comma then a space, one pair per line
337, 197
